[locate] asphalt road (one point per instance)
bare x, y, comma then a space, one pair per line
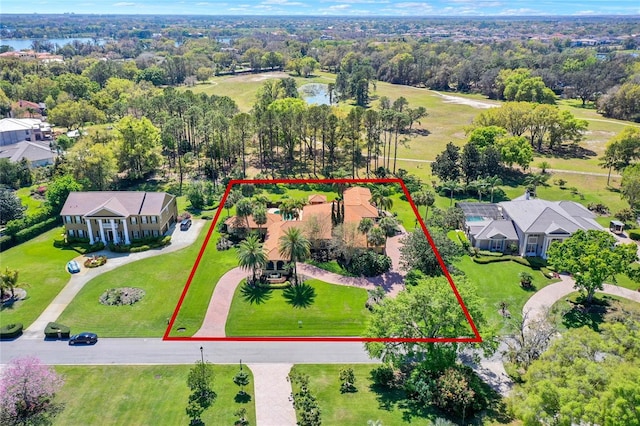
156, 351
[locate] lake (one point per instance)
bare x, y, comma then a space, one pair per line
315, 93
25, 44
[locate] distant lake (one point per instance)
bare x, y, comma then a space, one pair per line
315, 93
25, 44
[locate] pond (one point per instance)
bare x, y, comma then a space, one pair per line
315, 93
25, 44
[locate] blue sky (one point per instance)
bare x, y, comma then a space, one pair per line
329, 7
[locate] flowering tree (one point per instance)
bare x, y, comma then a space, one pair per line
27, 391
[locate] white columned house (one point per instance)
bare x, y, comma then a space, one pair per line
91, 240
104, 240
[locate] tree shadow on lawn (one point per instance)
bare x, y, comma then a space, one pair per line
255, 295
300, 296
581, 314
242, 398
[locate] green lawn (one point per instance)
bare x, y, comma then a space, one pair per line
32, 204
138, 395
213, 265
498, 282
162, 277
331, 266
335, 311
43, 268
368, 403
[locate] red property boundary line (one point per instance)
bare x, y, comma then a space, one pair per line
476, 339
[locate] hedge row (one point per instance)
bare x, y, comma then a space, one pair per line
275, 286
17, 225
634, 234
57, 331
141, 245
37, 229
532, 262
11, 331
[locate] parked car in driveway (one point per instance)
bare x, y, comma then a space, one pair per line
73, 267
85, 338
185, 224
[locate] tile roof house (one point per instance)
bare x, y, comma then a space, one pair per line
315, 221
118, 216
531, 224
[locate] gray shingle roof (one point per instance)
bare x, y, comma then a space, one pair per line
539, 216
497, 228
124, 203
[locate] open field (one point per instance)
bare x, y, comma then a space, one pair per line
162, 277
42, 267
138, 395
605, 308
32, 204
333, 311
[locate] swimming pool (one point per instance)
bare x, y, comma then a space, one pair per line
474, 218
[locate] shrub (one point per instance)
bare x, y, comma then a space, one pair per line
369, 264
490, 253
6, 242
483, 260
347, 380
634, 234
597, 208
54, 330
35, 230
274, 286
625, 215
11, 331
138, 249
122, 296
386, 376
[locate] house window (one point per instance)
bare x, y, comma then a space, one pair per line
78, 219
532, 244
67, 219
136, 234
144, 219
134, 220
154, 219
496, 245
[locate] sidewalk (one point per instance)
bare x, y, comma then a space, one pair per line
272, 389
179, 240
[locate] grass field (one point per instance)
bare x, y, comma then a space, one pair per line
497, 282
32, 204
42, 268
143, 395
162, 277
334, 311
605, 308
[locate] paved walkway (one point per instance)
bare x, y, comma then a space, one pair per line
218, 310
179, 240
272, 390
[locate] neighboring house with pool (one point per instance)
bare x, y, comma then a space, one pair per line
315, 220
529, 224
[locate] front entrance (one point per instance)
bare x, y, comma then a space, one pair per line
109, 234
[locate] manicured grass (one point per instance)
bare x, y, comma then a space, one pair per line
498, 282
32, 204
162, 277
138, 395
42, 267
331, 266
335, 311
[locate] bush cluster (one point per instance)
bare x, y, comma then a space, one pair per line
37, 229
95, 261
11, 331
144, 244
54, 330
369, 264
122, 296
634, 234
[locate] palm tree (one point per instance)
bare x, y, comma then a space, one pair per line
244, 209
376, 237
251, 255
492, 183
365, 226
480, 185
452, 186
260, 216
389, 226
382, 198
424, 198
535, 180
295, 246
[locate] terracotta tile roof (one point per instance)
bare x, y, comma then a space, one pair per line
271, 218
357, 204
272, 239
317, 199
323, 214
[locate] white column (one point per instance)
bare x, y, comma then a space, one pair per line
113, 229
90, 231
104, 240
126, 232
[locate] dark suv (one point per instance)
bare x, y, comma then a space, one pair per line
185, 224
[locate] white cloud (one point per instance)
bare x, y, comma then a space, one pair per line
339, 7
523, 11
203, 3
284, 3
123, 4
